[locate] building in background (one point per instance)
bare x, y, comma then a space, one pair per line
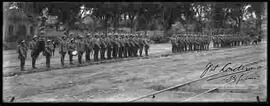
18, 22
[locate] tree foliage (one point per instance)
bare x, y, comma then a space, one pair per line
212, 17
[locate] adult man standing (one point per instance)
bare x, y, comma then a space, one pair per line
179, 44
125, 39
109, 46
124, 45
141, 44
33, 45
48, 52
132, 46
71, 48
146, 45
63, 49
116, 46
174, 43
121, 46
137, 46
80, 46
96, 44
103, 47
22, 51
88, 47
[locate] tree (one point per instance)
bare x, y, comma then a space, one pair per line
258, 8
146, 16
170, 14
202, 13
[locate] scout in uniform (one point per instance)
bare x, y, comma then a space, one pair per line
22, 51
130, 49
102, 47
141, 45
125, 39
96, 47
121, 46
146, 45
178, 40
33, 45
109, 46
71, 48
80, 46
116, 46
136, 50
173, 42
48, 52
63, 49
88, 48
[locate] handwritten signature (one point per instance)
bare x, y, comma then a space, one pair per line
243, 70
241, 77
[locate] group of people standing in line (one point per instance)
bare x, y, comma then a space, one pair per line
101, 46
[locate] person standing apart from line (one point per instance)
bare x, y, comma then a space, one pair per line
48, 52
22, 50
33, 45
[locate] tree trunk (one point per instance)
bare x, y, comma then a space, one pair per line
165, 28
106, 26
115, 22
259, 23
131, 24
164, 23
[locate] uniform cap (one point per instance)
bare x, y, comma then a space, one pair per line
42, 32
80, 36
35, 36
71, 33
23, 41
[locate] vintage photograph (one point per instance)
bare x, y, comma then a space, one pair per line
182, 52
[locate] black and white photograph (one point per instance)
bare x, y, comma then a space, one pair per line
132, 52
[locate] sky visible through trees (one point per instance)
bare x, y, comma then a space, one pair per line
195, 17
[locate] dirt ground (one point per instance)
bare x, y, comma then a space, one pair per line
127, 80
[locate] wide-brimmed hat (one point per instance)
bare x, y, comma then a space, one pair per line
64, 36
22, 41
35, 36
88, 34
71, 33
80, 36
